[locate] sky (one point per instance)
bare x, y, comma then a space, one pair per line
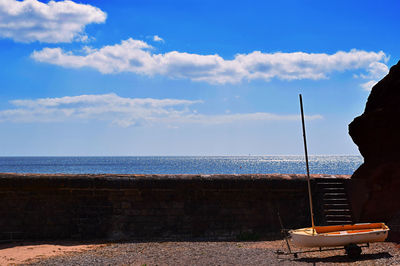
148, 78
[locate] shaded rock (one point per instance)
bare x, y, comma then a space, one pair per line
377, 131
377, 135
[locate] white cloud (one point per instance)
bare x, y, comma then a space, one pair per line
137, 57
125, 111
376, 72
368, 85
31, 20
157, 38
235, 118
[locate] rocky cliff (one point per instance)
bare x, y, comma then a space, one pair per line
377, 135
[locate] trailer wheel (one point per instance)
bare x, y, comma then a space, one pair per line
353, 251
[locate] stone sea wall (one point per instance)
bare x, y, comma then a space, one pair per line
38, 206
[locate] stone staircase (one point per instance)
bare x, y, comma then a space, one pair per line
335, 203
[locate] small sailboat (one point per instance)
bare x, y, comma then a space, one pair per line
340, 235
347, 235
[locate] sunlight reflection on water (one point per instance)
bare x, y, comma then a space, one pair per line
182, 164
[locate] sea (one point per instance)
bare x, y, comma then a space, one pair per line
287, 164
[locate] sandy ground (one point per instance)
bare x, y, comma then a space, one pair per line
17, 253
185, 253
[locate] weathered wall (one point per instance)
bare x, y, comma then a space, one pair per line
149, 206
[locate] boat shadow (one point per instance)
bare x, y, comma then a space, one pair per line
345, 258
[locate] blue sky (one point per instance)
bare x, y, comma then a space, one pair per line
188, 77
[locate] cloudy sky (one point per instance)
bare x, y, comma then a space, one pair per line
189, 77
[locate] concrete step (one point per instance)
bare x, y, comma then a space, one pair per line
333, 189
338, 195
335, 200
338, 217
323, 186
346, 211
330, 182
339, 222
336, 206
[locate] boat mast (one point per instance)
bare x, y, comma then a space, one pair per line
308, 169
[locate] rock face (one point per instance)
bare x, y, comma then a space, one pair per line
377, 135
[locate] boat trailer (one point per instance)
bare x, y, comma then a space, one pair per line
353, 251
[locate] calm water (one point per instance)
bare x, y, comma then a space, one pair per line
181, 164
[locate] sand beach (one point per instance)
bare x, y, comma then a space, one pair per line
185, 253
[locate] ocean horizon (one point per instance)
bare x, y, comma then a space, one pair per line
268, 164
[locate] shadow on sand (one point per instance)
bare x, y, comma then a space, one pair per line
345, 258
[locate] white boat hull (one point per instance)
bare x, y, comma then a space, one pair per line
305, 238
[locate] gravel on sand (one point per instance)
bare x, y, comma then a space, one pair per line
217, 253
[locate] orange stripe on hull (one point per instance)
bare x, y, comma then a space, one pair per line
349, 227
